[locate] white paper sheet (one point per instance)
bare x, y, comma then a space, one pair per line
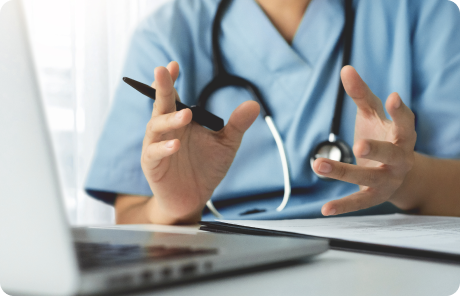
440, 234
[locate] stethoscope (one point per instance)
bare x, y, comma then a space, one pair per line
333, 148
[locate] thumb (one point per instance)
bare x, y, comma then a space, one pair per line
240, 120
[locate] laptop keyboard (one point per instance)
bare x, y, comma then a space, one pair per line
94, 255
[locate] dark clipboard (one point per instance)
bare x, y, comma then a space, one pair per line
338, 244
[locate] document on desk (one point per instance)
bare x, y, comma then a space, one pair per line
427, 233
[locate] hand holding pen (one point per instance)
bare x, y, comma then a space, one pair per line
199, 114
183, 161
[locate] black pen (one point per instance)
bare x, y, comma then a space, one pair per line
199, 115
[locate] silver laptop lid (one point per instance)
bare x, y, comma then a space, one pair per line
36, 253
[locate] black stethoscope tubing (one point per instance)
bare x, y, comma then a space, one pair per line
347, 44
224, 79
346, 153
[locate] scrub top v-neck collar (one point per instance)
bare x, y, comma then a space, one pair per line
319, 29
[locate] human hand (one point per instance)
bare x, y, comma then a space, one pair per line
384, 149
183, 161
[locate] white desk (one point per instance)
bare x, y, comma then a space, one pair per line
332, 273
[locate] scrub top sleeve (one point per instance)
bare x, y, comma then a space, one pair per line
436, 74
116, 164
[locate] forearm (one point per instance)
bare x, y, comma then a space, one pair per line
131, 209
431, 188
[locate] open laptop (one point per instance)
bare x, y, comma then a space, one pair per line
40, 254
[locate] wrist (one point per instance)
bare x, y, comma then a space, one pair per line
157, 213
416, 186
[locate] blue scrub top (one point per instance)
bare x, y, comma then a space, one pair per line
407, 46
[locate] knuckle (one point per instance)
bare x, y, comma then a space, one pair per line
360, 203
356, 204
154, 126
341, 172
151, 153
411, 116
171, 120
394, 155
408, 164
169, 92
159, 125
146, 157
373, 148
391, 181
372, 178
155, 105
414, 136
150, 127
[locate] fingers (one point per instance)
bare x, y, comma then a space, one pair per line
391, 158
240, 120
162, 124
357, 89
173, 69
165, 101
381, 151
365, 176
380, 181
355, 202
404, 120
399, 112
154, 153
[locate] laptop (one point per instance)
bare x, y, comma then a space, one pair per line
40, 254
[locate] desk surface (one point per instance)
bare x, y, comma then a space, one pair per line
332, 273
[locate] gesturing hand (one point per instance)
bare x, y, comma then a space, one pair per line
183, 161
384, 149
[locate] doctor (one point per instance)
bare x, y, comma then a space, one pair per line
291, 50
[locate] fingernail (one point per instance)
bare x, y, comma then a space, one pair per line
366, 149
325, 168
169, 144
332, 212
179, 114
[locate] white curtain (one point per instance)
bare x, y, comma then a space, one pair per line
79, 47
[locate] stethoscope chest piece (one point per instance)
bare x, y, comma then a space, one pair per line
332, 149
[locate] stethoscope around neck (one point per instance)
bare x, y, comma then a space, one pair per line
333, 148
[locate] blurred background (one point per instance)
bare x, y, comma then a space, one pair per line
79, 48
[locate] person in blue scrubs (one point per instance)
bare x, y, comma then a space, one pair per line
401, 115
